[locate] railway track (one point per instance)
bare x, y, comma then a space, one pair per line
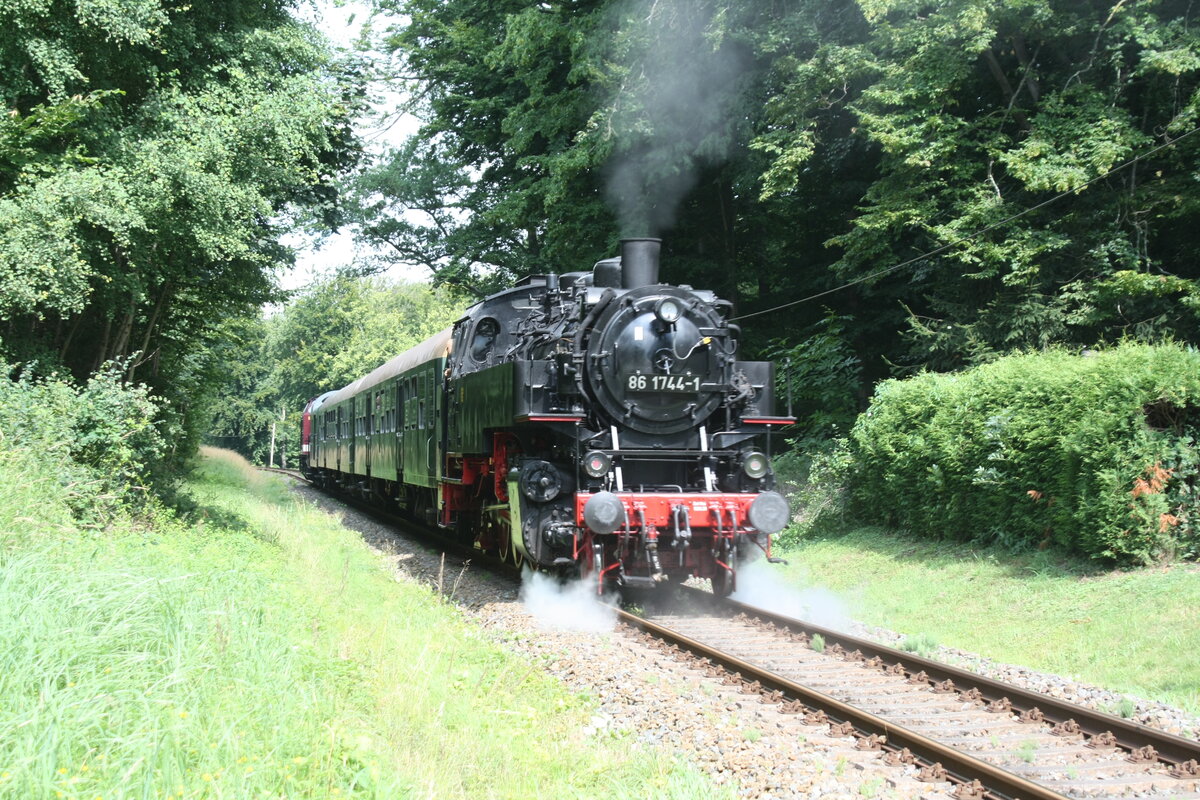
291, 473
987, 738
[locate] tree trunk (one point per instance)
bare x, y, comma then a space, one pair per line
102, 351
66, 345
725, 203
1009, 95
125, 331
151, 323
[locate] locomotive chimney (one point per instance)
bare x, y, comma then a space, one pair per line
639, 262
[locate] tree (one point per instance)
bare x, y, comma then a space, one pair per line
980, 112
789, 150
330, 334
152, 153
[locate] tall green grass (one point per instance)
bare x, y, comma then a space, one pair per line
254, 648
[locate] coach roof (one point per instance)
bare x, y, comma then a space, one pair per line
436, 346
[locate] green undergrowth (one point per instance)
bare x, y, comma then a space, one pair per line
253, 647
1130, 631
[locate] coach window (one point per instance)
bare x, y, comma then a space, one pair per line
484, 339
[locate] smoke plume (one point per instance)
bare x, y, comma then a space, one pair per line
673, 113
569, 606
760, 585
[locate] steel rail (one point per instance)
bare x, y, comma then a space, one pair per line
1170, 748
962, 767
291, 473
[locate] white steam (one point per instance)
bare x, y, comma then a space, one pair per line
570, 606
761, 586
673, 113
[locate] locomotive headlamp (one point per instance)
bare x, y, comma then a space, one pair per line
667, 309
755, 465
597, 464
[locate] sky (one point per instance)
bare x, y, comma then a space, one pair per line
342, 23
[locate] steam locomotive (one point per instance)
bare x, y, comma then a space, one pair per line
593, 423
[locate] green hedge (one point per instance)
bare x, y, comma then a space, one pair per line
1096, 453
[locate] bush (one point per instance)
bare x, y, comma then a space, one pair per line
813, 474
98, 445
1096, 453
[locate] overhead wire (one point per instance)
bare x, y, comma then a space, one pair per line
970, 236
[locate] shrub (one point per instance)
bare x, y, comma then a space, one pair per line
1097, 453
97, 444
814, 474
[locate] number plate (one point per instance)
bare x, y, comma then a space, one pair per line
675, 384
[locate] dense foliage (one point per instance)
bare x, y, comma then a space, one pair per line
94, 448
151, 153
331, 333
785, 149
1098, 453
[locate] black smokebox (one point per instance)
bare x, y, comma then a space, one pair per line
639, 262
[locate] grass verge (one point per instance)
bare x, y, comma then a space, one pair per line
256, 648
1134, 631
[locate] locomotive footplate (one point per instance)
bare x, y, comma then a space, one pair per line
690, 513
647, 538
